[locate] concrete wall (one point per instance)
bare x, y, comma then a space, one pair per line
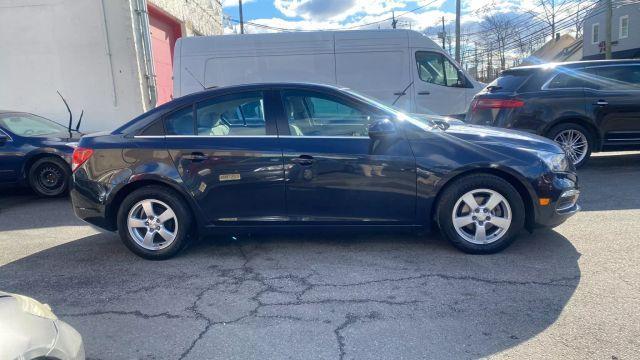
49, 45
598, 15
199, 17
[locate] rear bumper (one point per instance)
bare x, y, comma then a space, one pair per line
88, 205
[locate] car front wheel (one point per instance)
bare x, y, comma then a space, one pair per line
154, 222
481, 214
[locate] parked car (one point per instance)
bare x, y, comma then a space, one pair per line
35, 151
585, 106
274, 156
397, 67
30, 330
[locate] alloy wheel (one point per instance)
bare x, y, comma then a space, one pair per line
574, 143
482, 216
152, 224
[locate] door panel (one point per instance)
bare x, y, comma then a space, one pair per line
232, 179
164, 33
616, 103
11, 159
233, 166
434, 84
334, 172
350, 180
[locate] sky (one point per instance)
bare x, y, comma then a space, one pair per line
339, 14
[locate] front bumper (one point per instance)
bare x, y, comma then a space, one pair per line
560, 192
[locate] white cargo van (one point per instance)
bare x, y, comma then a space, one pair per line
398, 67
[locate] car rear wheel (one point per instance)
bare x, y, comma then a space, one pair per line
154, 222
481, 214
49, 177
575, 140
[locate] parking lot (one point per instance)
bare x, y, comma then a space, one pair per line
571, 292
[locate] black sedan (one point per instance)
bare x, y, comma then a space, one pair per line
35, 151
301, 156
586, 106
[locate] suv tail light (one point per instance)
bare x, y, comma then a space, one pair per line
80, 156
480, 104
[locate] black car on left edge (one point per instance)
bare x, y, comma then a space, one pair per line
301, 156
36, 152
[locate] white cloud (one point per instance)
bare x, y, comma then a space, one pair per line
234, 3
336, 10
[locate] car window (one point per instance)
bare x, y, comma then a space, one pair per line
435, 68
509, 81
314, 114
180, 122
28, 125
232, 115
573, 79
618, 77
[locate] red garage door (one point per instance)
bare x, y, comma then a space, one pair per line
164, 33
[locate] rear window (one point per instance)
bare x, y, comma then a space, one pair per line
508, 81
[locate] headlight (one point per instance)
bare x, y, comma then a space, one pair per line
555, 162
34, 307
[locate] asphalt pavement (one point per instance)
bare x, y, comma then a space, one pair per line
572, 292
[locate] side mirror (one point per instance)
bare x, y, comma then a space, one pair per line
382, 128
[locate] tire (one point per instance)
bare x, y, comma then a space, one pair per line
482, 187
161, 245
578, 132
49, 177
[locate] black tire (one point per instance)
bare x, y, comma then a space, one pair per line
178, 206
49, 176
455, 191
556, 130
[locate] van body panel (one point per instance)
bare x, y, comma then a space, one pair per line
377, 63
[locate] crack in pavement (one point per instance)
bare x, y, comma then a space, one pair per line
135, 313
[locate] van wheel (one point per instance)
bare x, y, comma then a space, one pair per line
575, 140
480, 214
154, 222
49, 177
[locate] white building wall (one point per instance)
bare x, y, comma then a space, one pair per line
49, 45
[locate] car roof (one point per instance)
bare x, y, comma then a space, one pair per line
575, 64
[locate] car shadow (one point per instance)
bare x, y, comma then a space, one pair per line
362, 296
610, 182
20, 209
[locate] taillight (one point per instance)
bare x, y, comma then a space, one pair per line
80, 156
480, 104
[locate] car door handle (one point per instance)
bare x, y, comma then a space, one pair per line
196, 156
424, 93
303, 160
601, 103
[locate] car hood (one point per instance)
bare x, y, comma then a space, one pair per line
63, 137
482, 135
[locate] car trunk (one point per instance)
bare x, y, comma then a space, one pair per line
499, 100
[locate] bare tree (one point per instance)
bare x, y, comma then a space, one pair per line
499, 29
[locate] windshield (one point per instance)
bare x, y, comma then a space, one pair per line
422, 121
29, 125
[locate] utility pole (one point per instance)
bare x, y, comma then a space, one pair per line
458, 31
608, 30
444, 35
241, 17
394, 22
553, 19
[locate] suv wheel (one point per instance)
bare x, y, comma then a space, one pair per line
481, 214
154, 222
49, 176
575, 140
